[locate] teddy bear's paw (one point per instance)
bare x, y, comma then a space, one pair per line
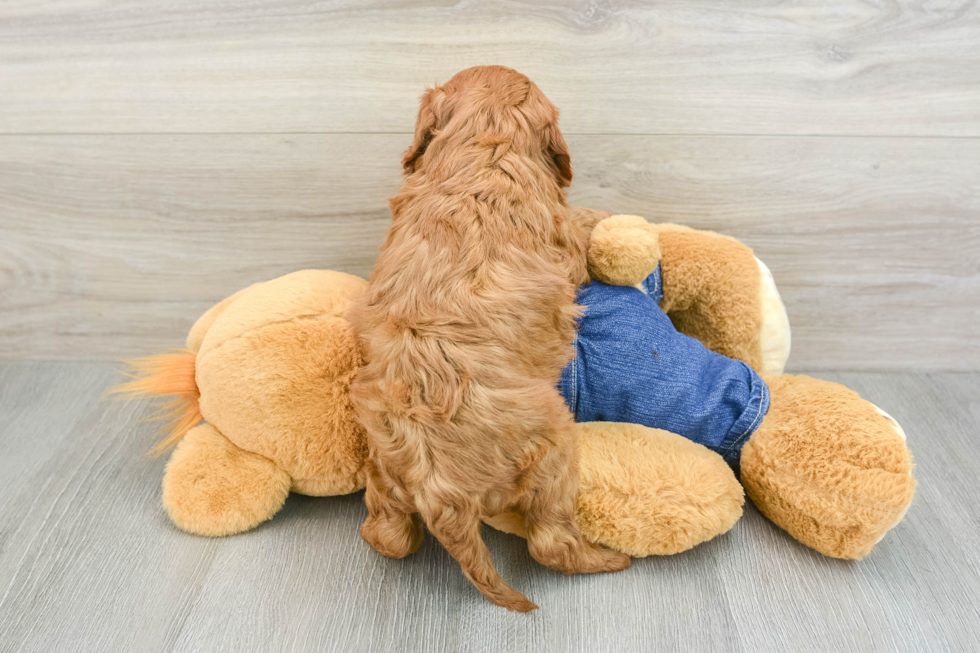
624, 250
830, 468
899, 431
213, 488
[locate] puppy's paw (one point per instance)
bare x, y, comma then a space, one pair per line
624, 250
392, 539
589, 558
607, 560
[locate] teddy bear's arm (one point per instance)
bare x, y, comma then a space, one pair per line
716, 290
622, 249
714, 287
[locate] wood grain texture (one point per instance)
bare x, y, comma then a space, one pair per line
157, 156
89, 561
111, 246
699, 66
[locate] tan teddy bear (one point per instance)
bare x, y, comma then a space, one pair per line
269, 370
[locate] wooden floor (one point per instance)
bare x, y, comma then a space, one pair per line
156, 156
90, 562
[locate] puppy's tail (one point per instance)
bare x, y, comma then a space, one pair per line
458, 529
166, 375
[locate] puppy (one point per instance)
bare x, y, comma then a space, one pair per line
465, 328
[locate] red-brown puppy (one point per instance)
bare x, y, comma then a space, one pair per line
465, 329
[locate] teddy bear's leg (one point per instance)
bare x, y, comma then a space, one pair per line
827, 466
645, 491
213, 488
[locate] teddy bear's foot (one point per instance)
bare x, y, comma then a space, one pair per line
831, 469
213, 488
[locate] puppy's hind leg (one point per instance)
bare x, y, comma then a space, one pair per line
391, 528
458, 529
553, 536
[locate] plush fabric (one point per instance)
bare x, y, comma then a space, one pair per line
774, 332
647, 492
269, 369
195, 337
828, 467
214, 488
623, 251
274, 374
274, 392
711, 291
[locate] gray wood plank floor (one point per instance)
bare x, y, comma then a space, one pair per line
89, 561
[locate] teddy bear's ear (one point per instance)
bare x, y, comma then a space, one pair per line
431, 117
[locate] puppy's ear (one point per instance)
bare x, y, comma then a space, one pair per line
429, 120
557, 150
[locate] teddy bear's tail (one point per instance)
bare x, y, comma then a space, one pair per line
166, 375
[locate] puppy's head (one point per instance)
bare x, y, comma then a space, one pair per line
494, 107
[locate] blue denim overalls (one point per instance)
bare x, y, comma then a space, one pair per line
632, 365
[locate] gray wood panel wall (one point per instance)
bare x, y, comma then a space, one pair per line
157, 156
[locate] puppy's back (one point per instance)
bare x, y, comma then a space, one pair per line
468, 322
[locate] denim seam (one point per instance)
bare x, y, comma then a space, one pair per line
763, 400
575, 383
657, 280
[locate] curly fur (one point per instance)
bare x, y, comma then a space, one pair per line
465, 327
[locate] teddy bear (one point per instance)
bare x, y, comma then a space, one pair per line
261, 405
